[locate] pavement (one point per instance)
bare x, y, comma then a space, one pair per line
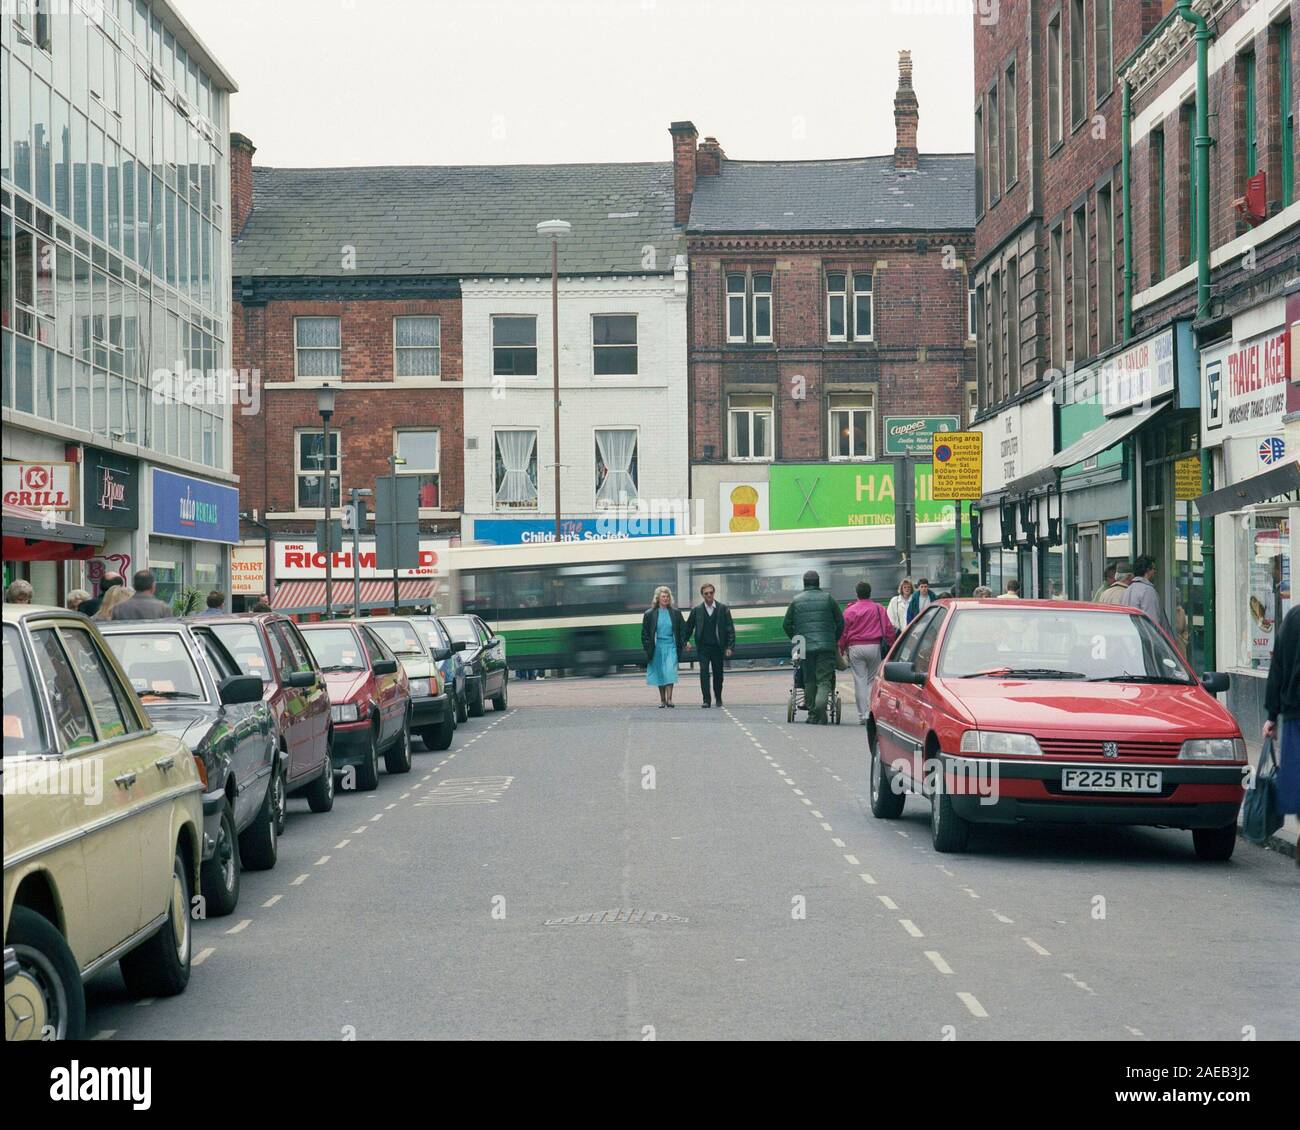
584, 865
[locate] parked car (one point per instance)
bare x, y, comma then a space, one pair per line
103, 819
271, 645
486, 674
1008, 712
370, 699
191, 687
446, 652
432, 714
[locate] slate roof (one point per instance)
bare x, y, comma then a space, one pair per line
858, 194
471, 220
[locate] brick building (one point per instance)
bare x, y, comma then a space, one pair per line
1103, 387
830, 325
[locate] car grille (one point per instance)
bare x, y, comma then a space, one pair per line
1091, 747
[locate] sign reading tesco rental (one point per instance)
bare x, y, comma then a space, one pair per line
41, 486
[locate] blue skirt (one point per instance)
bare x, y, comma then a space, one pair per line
661, 671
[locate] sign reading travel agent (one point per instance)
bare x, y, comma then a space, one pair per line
41, 486
958, 466
1245, 387
186, 507
914, 435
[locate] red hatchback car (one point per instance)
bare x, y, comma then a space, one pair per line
1049, 711
370, 699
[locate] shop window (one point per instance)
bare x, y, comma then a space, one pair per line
1264, 584
419, 452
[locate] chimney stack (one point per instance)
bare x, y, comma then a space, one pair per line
906, 115
241, 182
708, 158
685, 135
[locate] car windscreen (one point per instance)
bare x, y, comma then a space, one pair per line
402, 638
24, 726
462, 630
433, 634
335, 649
1051, 643
158, 665
244, 643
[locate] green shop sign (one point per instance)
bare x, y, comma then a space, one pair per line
914, 435
811, 496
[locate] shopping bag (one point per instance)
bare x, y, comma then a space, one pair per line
1260, 816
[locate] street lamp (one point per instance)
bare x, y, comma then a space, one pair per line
555, 230
394, 461
325, 406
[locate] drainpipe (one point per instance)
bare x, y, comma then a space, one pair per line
1202, 181
1126, 178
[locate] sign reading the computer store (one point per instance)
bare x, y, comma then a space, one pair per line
1140, 374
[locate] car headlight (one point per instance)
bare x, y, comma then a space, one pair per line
994, 743
419, 688
1213, 749
345, 712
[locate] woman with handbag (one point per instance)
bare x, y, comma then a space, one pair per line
663, 637
868, 632
1282, 700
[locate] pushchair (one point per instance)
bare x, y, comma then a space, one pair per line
834, 704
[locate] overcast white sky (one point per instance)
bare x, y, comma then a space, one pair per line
444, 82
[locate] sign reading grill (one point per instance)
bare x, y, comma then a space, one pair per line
621, 916
466, 790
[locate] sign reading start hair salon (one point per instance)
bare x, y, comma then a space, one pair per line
186, 507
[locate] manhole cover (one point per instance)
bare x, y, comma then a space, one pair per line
613, 917
466, 790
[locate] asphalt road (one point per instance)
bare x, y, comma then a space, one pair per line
585, 866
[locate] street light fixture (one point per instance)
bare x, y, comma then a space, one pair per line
555, 230
325, 406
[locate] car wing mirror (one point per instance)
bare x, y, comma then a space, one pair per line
459, 645
1216, 682
385, 667
305, 679
240, 688
904, 673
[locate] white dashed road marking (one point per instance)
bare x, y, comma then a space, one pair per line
1033, 945
889, 903
240, 927
910, 926
272, 901
968, 999
853, 859
202, 956
938, 962
298, 882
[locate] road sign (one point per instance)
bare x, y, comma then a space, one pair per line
354, 516
958, 466
331, 541
397, 522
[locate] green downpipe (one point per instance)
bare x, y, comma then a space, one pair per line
1126, 186
1202, 175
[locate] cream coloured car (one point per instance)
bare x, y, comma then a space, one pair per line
102, 824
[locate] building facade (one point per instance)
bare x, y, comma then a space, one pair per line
115, 311
831, 331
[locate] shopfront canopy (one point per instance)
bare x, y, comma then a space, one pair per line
309, 596
1273, 483
30, 535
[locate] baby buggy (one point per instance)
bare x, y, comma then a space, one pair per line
834, 704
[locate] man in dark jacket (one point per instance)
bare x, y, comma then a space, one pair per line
815, 622
144, 605
715, 637
106, 582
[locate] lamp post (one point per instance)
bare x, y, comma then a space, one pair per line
325, 406
555, 230
394, 461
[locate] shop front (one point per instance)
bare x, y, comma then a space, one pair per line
111, 489
42, 526
194, 522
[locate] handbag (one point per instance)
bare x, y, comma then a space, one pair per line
841, 660
1260, 814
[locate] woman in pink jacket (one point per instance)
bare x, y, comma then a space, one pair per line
867, 635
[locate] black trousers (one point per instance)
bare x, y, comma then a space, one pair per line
711, 657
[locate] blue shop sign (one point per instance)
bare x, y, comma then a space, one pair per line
185, 507
536, 531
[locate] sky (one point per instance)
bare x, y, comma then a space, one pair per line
448, 82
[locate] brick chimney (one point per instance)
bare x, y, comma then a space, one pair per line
241, 182
708, 158
906, 115
685, 135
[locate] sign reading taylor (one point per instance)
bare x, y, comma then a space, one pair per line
185, 507
1140, 374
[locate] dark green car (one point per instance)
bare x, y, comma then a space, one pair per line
433, 714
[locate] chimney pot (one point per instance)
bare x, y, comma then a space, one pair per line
907, 115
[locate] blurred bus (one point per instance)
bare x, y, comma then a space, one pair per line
577, 605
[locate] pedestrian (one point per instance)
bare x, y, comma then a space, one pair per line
260, 606
814, 621
868, 632
663, 636
920, 600
114, 598
1107, 579
1142, 591
19, 592
715, 638
1282, 701
1117, 590
982, 592
216, 604
108, 581
144, 604
76, 598
897, 610
1013, 591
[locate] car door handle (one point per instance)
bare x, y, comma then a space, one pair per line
125, 780
165, 763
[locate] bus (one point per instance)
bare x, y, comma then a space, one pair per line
577, 606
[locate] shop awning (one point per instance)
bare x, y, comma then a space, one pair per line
1273, 483
309, 596
30, 535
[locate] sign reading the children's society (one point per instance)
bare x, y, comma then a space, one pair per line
958, 465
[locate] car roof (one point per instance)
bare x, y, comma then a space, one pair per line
15, 612
995, 602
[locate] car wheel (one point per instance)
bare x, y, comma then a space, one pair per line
320, 793
160, 967
46, 999
368, 770
1215, 844
259, 844
499, 700
462, 708
476, 705
219, 876
948, 831
885, 803
397, 758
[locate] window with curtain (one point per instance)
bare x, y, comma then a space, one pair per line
310, 469
319, 347
417, 346
616, 467
516, 469
420, 449
613, 345
852, 428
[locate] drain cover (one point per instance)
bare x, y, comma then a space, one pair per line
611, 917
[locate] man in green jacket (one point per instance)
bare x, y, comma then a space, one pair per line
815, 622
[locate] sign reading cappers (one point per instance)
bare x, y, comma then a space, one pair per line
958, 466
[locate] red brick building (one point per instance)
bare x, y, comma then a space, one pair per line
829, 300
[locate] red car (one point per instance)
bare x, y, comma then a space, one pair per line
370, 699
271, 645
1038, 710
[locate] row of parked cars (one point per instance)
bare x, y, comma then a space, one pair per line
147, 763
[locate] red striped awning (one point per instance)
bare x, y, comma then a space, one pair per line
309, 596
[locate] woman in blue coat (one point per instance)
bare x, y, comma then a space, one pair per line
663, 636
